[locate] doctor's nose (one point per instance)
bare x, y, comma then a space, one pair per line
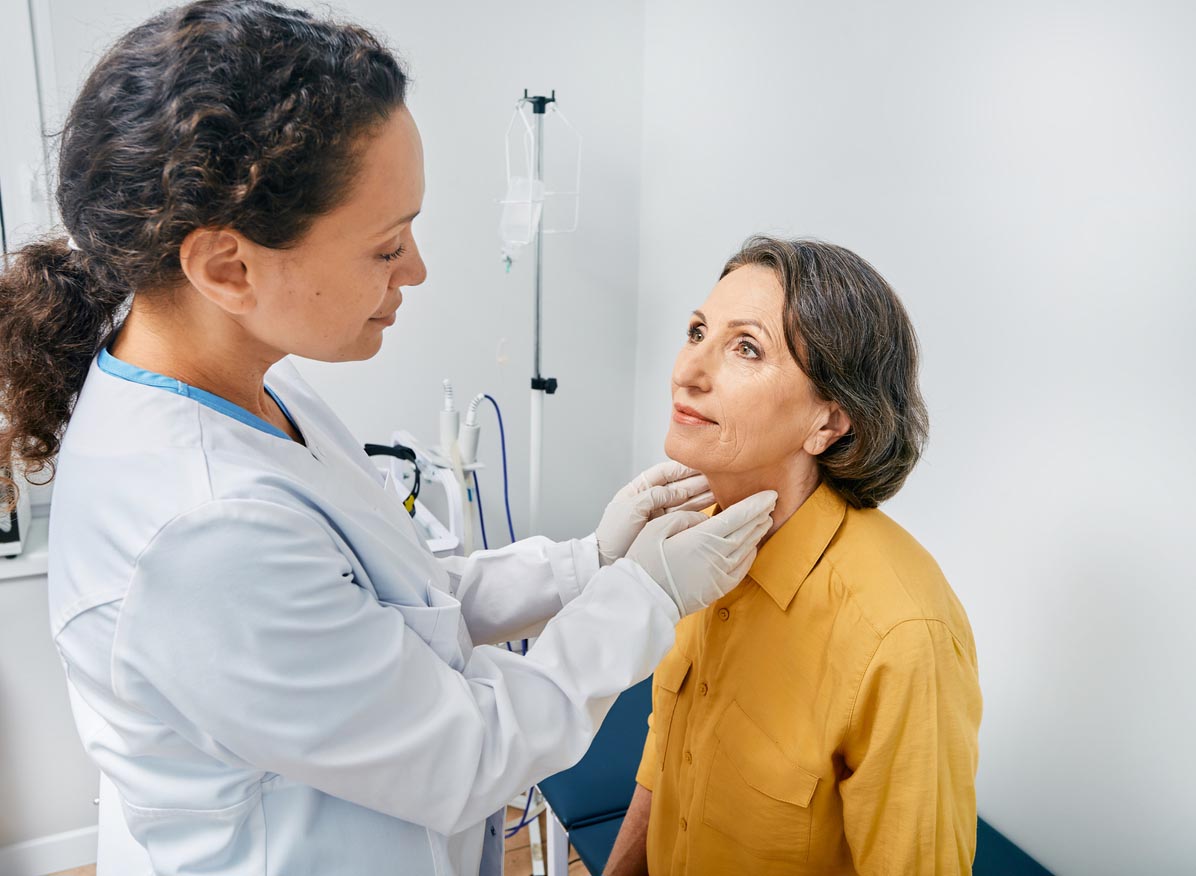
410, 270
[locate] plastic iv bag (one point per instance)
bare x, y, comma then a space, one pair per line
521, 211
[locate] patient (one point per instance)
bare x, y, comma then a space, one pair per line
823, 716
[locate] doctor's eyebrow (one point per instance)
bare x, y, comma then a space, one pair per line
402, 221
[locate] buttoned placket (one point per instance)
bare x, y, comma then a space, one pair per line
715, 635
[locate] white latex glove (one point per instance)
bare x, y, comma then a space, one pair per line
668, 486
697, 559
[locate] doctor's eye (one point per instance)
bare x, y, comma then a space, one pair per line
694, 333
747, 349
391, 256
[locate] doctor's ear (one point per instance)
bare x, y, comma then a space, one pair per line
216, 261
834, 426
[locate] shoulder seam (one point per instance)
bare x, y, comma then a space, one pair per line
855, 697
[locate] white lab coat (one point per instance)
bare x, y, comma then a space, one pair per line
272, 669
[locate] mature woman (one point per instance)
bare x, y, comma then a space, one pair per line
264, 659
822, 717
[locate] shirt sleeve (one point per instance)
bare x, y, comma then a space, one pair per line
649, 766
909, 805
244, 631
510, 593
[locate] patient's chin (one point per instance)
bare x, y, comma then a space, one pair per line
683, 451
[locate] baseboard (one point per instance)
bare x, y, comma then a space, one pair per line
49, 854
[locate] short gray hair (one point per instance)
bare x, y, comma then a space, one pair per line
850, 334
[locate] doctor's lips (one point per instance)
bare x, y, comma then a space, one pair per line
687, 416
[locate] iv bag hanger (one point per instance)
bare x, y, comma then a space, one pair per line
523, 222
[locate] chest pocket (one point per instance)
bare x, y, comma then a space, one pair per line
755, 794
666, 687
439, 623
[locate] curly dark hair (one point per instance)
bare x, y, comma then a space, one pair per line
849, 333
221, 113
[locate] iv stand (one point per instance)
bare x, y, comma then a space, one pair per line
540, 385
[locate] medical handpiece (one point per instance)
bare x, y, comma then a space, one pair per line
449, 421
468, 438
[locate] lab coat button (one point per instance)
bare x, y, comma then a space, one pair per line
724, 614
684, 824
703, 689
689, 758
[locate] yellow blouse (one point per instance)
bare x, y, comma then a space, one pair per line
823, 716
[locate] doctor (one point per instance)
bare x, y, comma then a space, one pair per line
272, 672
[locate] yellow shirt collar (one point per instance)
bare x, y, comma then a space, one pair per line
787, 559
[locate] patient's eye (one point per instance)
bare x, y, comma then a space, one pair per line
748, 349
694, 333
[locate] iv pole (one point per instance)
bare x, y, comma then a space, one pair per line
541, 385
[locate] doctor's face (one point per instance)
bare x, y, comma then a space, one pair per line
741, 404
331, 296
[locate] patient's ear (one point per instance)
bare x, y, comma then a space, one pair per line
834, 425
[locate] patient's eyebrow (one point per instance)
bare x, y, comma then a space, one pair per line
736, 323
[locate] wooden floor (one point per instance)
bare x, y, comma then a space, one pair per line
518, 855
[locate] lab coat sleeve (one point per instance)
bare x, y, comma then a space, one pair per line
909, 805
510, 593
244, 630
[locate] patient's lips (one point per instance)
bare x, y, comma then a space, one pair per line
687, 416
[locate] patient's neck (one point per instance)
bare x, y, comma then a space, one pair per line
794, 483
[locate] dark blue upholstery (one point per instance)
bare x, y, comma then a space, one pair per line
997, 856
593, 843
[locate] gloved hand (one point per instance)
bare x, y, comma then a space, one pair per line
669, 486
698, 559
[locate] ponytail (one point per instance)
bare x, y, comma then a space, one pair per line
54, 316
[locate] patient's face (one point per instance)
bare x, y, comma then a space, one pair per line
740, 402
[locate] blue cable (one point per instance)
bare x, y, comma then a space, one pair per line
506, 481
506, 490
523, 819
477, 491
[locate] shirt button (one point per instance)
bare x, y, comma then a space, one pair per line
703, 689
684, 824
689, 758
724, 614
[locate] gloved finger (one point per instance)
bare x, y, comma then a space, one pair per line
745, 513
669, 496
672, 524
749, 546
658, 475
739, 572
699, 502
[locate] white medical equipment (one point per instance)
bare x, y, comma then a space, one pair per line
538, 202
14, 524
443, 540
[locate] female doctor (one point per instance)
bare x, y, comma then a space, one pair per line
264, 660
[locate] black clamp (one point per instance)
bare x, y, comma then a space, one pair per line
539, 103
548, 384
407, 455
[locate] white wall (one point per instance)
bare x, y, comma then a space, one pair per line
1022, 173
47, 784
